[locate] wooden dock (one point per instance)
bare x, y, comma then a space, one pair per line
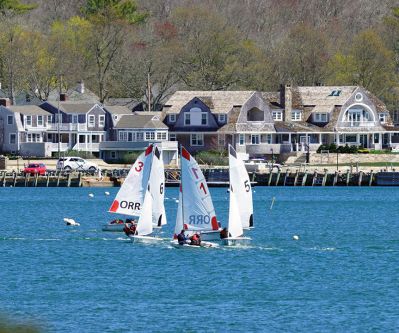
214, 177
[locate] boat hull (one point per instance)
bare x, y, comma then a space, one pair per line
117, 227
175, 244
145, 239
212, 235
237, 241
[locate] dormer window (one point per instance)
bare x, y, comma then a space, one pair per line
296, 115
204, 118
101, 120
39, 120
320, 117
187, 119
277, 115
222, 118
172, 118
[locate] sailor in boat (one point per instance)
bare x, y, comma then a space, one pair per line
181, 238
117, 221
224, 233
130, 228
195, 240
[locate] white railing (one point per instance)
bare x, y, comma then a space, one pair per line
68, 127
357, 123
87, 147
63, 146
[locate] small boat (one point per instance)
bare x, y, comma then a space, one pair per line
116, 225
130, 197
188, 246
240, 204
153, 210
195, 211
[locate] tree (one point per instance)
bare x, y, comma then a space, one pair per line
369, 63
111, 22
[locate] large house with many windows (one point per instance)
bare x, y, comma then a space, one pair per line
293, 119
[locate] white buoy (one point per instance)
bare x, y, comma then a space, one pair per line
106, 193
91, 195
295, 237
71, 222
177, 201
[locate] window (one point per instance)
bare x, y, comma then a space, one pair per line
33, 137
113, 155
75, 119
396, 117
320, 117
197, 139
382, 117
161, 135
101, 121
187, 119
39, 120
221, 140
255, 139
123, 136
222, 118
49, 118
296, 115
268, 139
149, 136
140, 136
91, 121
130, 136
241, 139
10, 120
204, 118
359, 97
28, 120
172, 137
277, 115
13, 138
172, 118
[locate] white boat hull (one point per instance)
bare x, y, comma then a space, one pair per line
237, 241
116, 227
212, 235
175, 244
145, 239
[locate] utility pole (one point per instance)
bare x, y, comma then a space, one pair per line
59, 120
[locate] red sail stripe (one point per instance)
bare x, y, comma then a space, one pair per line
114, 206
148, 150
185, 154
215, 225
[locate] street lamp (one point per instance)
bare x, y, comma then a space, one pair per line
59, 118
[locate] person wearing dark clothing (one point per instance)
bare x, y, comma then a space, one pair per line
224, 233
181, 238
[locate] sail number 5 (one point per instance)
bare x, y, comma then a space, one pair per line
247, 186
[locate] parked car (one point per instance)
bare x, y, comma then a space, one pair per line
35, 168
259, 164
75, 163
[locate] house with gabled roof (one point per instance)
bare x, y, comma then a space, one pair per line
78, 126
23, 130
134, 132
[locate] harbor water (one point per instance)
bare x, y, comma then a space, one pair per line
342, 275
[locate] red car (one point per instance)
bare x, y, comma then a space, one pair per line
34, 168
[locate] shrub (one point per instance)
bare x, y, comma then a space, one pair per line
212, 157
78, 153
130, 158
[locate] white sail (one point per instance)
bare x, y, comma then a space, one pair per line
157, 188
179, 216
240, 187
144, 224
130, 197
197, 208
235, 224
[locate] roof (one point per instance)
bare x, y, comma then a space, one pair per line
28, 110
69, 107
140, 121
217, 101
74, 95
117, 109
325, 95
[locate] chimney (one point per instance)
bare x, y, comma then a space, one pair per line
63, 97
81, 87
287, 102
5, 102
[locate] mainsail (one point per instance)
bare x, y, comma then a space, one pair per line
130, 197
157, 188
197, 211
240, 189
144, 224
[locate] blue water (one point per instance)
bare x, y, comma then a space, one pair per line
341, 276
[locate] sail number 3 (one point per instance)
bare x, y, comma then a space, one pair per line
139, 166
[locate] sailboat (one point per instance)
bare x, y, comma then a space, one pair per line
130, 197
153, 211
195, 212
240, 203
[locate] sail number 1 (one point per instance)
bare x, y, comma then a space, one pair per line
202, 186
